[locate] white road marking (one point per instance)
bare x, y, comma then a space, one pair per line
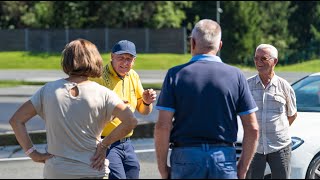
144, 150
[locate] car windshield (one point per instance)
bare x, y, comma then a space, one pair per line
308, 94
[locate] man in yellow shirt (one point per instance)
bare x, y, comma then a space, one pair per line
119, 76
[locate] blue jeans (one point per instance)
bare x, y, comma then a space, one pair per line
124, 163
203, 162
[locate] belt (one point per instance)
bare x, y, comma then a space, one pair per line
188, 144
124, 139
121, 140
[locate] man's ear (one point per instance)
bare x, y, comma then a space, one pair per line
112, 55
220, 46
275, 61
193, 43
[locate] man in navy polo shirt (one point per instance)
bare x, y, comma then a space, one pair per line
198, 107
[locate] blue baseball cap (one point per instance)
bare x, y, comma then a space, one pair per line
124, 46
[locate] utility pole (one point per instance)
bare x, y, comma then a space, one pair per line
218, 11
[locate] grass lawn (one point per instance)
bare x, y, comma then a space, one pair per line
12, 83
309, 66
163, 61
27, 60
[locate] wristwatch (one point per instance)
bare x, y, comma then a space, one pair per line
146, 103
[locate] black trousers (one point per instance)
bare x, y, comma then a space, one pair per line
278, 161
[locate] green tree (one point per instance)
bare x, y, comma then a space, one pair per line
47, 14
169, 14
246, 24
92, 14
133, 14
240, 31
40, 15
311, 49
71, 14
300, 21
274, 25
199, 10
11, 13
238, 21
123, 14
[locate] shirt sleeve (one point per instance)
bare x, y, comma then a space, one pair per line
139, 88
246, 103
291, 102
37, 101
166, 100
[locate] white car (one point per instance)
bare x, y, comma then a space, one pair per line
304, 131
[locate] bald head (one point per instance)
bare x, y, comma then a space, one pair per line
207, 35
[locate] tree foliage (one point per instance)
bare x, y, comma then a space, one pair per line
39, 15
274, 26
11, 13
241, 26
291, 26
246, 24
92, 14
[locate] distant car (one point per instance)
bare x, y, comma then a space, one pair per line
305, 130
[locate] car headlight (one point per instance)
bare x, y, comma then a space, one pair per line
296, 142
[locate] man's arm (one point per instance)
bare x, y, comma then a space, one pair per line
291, 104
144, 105
292, 118
144, 109
249, 143
161, 138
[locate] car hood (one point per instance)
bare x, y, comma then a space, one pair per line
306, 125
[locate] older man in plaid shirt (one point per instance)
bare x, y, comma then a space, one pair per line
276, 101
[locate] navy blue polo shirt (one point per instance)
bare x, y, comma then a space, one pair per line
206, 95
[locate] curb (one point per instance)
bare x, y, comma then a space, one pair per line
15, 95
143, 130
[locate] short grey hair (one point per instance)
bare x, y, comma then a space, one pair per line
207, 34
273, 51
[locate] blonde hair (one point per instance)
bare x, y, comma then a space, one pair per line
81, 57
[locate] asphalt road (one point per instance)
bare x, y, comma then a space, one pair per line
12, 98
23, 168
27, 169
8, 105
147, 76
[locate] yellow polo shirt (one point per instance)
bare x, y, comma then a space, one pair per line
128, 88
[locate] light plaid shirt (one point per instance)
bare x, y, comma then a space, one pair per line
275, 103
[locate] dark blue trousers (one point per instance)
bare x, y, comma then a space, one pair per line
124, 163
